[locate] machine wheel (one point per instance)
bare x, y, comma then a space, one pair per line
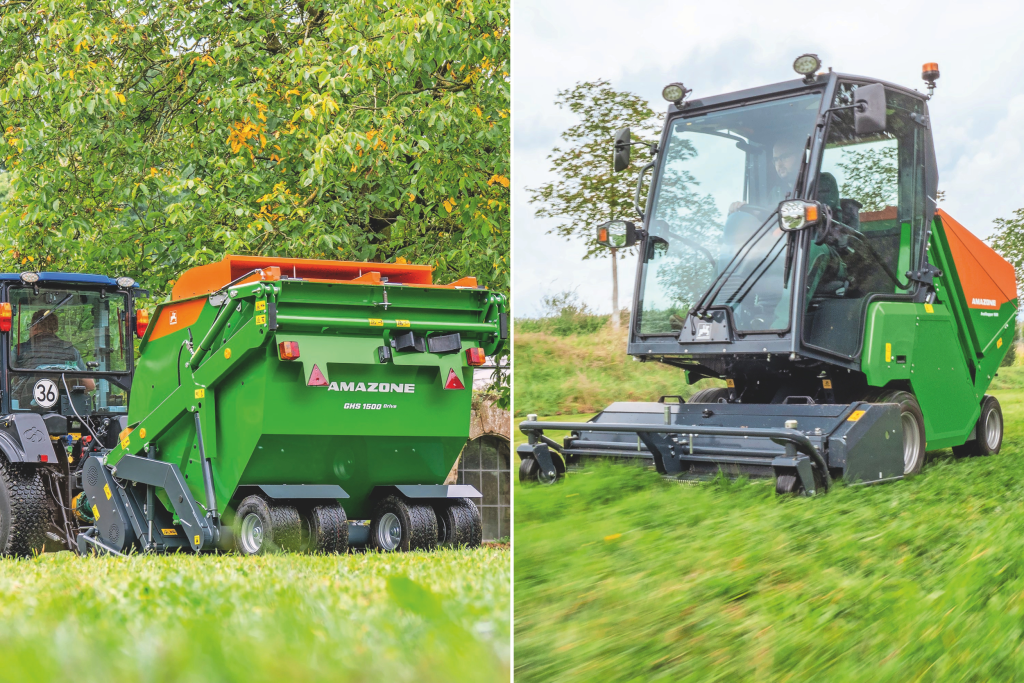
459, 523
23, 516
712, 395
989, 431
400, 525
912, 421
790, 484
529, 471
262, 527
328, 529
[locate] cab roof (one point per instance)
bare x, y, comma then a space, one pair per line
72, 278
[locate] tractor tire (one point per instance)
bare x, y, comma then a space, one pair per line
711, 395
262, 527
988, 432
399, 524
530, 472
23, 512
328, 529
912, 421
459, 523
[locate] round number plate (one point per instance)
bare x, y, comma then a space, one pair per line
45, 393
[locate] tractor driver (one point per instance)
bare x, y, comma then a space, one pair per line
45, 349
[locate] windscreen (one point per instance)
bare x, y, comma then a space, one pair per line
722, 176
62, 342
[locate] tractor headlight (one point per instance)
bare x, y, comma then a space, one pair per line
125, 282
674, 92
797, 214
30, 278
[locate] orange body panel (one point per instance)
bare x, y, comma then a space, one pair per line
207, 279
176, 317
988, 280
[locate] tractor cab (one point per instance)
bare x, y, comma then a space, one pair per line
775, 215
69, 351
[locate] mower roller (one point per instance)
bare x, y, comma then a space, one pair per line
791, 246
281, 404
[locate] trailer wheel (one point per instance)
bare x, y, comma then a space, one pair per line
328, 529
912, 421
459, 523
530, 471
988, 433
790, 484
400, 525
262, 527
23, 513
710, 395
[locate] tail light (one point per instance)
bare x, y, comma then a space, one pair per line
5, 317
141, 322
288, 350
475, 356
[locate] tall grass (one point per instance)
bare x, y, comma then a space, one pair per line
622, 576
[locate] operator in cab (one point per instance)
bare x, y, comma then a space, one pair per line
45, 350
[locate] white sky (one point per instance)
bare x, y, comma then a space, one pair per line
716, 47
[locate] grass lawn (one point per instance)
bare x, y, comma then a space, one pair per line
441, 616
622, 576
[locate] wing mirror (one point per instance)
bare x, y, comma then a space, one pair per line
620, 158
797, 214
869, 112
616, 234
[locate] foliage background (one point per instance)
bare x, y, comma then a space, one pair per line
144, 138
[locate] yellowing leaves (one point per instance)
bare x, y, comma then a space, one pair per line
449, 205
500, 179
241, 132
120, 97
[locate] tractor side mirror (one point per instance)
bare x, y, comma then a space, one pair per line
616, 234
620, 159
869, 114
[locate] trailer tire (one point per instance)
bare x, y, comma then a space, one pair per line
988, 432
459, 523
23, 510
530, 472
710, 395
398, 524
912, 421
328, 529
262, 527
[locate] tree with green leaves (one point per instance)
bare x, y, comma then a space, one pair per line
587, 192
144, 137
1008, 240
870, 176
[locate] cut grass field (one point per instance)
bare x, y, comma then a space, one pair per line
441, 616
622, 576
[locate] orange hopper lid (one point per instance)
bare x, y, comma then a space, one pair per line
207, 279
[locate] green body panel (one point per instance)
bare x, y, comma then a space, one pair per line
373, 425
950, 351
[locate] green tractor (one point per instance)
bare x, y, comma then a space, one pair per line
791, 245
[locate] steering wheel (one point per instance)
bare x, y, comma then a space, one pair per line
759, 212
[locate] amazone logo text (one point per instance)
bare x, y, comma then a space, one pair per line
983, 302
382, 387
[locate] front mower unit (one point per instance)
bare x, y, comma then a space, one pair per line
813, 443
277, 399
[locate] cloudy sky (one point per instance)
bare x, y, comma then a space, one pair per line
716, 47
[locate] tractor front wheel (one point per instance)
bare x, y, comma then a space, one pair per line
401, 525
988, 433
262, 527
23, 518
912, 421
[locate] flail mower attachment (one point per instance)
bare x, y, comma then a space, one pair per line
803, 446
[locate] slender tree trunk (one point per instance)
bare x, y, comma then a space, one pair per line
615, 289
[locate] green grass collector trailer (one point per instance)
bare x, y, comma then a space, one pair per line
292, 404
791, 245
